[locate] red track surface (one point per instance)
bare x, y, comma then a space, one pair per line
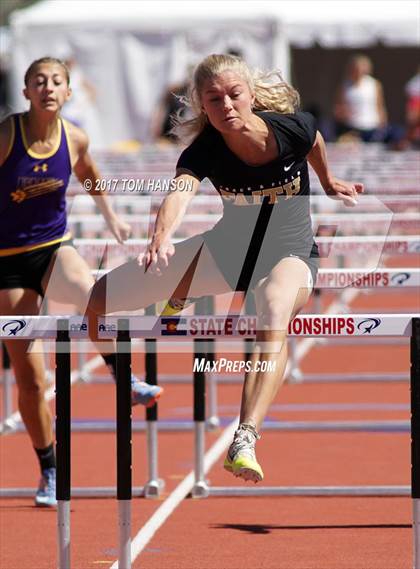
238, 533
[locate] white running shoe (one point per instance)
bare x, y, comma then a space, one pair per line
240, 458
45, 495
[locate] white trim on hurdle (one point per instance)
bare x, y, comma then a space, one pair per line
63, 534
416, 533
187, 328
124, 541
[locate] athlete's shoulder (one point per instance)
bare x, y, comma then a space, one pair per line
198, 157
78, 138
292, 123
286, 118
7, 135
296, 131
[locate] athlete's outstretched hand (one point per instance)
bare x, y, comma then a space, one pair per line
156, 257
345, 191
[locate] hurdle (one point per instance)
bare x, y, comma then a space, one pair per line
63, 443
389, 325
380, 279
362, 278
312, 326
393, 325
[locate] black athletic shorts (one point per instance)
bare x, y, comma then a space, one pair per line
26, 270
243, 265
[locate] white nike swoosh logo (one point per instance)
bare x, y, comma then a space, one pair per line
287, 168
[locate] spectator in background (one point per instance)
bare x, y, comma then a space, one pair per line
360, 106
412, 110
4, 85
83, 93
81, 108
170, 105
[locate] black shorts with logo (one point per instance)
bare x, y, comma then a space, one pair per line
26, 270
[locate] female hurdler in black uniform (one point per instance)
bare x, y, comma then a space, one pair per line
252, 143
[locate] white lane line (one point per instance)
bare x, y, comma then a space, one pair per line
147, 532
10, 423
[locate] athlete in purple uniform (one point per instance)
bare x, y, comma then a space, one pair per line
38, 152
252, 143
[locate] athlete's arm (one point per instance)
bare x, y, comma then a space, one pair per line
88, 174
168, 219
5, 138
333, 187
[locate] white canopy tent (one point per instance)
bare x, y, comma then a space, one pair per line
132, 50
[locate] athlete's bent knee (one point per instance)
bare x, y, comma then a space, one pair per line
275, 316
32, 388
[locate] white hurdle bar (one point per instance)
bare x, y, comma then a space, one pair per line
187, 328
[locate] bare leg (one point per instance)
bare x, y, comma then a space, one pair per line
260, 388
129, 287
69, 280
28, 366
279, 298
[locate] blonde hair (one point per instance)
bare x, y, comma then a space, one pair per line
271, 92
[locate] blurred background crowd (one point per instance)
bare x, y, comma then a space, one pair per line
354, 63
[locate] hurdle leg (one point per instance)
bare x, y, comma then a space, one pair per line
200, 488
154, 485
415, 436
206, 306
124, 483
213, 422
63, 441
295, 374
7, 387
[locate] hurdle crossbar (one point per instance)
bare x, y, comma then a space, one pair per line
187, 328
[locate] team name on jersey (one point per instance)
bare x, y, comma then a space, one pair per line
256, 197
33, 187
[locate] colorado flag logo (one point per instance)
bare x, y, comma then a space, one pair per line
170, 326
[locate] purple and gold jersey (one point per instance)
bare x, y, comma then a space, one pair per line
32, 193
